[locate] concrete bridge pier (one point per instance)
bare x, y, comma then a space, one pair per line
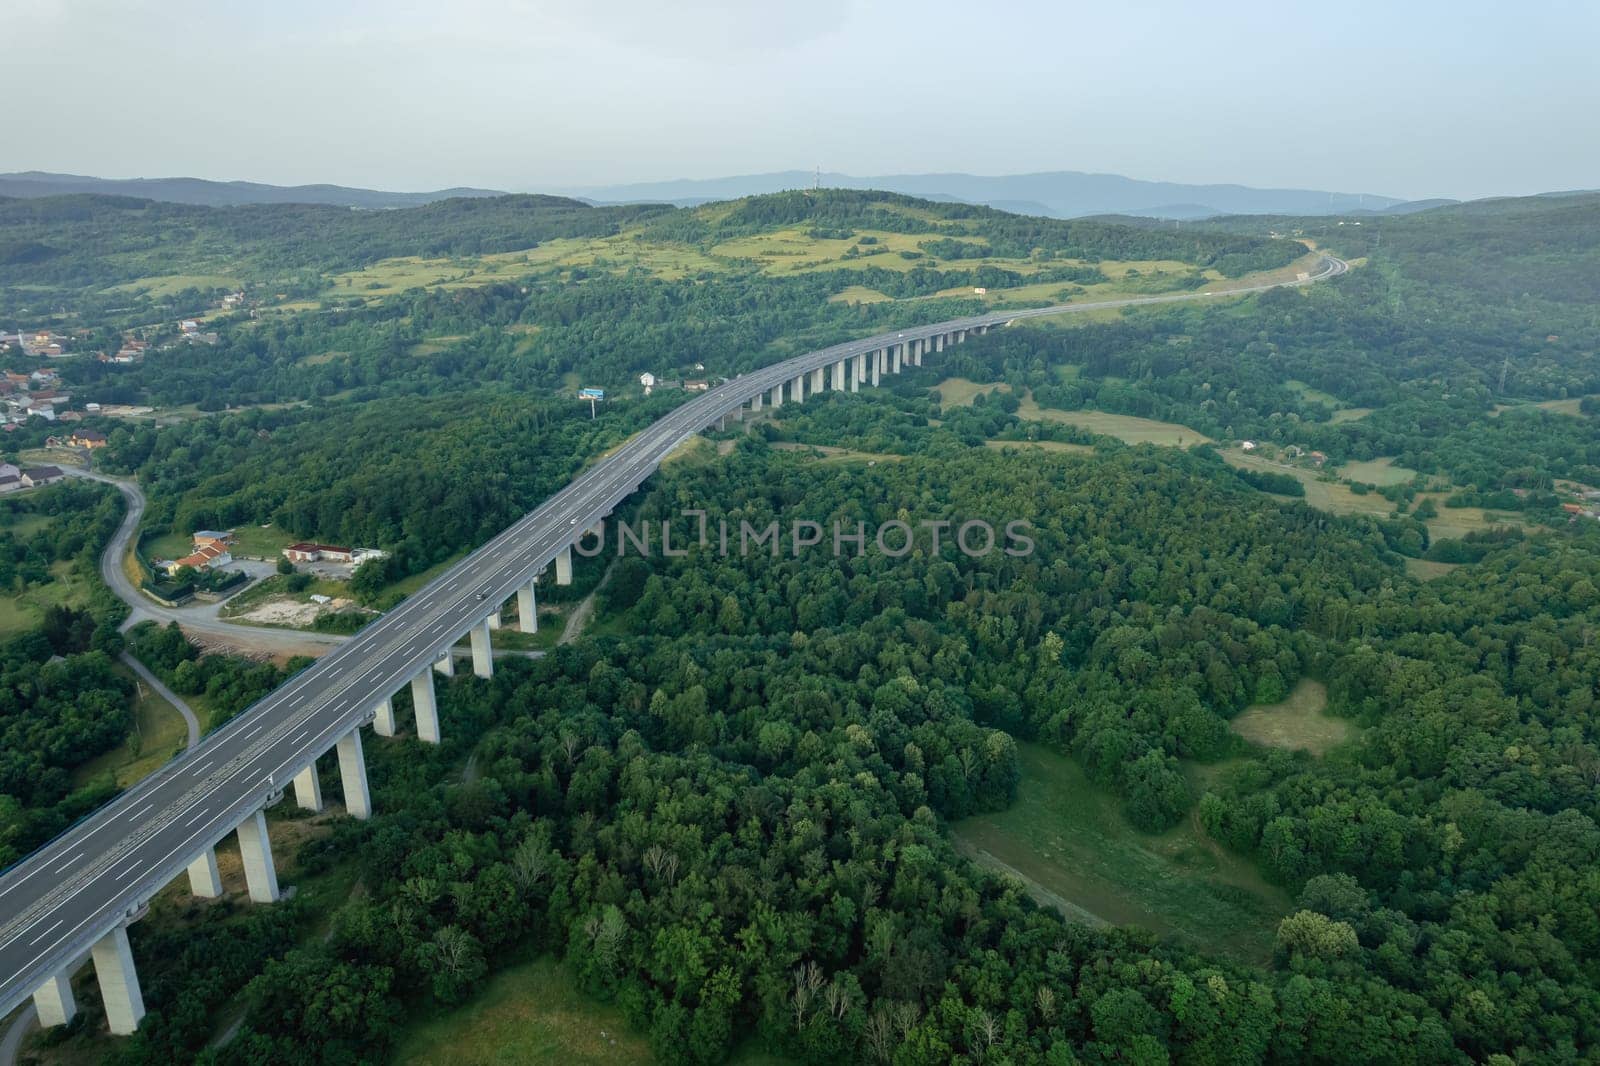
527, 609
902, 355
482, 650
353, 775
383, 717
446, 664
755, 403
494, 617
259, 873
797, 389
308, 788
427, 706
55, 1002
205, 880
777, 397
564, 566
861, 370
938, 343
119, 981
817, 376
838, 376
877, 359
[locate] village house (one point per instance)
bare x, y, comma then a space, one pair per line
209, 557
87, 438
696, 386
35, 476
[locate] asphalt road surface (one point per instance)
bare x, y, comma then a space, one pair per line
69, 893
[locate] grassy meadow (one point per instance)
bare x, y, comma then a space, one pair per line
1068, 841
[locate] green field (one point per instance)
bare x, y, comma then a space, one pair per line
1334, 497
531, 1014
959, 392
1128, 428
158, 734
1041, 445
1379, 472
1299, 723
1070, 843
21, 611
858, 294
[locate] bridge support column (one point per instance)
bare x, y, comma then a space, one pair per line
55, 1002
205, 880
494, 618
901, 356
353, 775
797, 389
119, 981
877, 361
256, 850
383, 717
938, 343
858, 371
777, 397
527, 610
838, 376
422, 697
446, 663
482, 650
817, 376
308, 788
564, 566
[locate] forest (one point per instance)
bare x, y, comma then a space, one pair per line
729, 822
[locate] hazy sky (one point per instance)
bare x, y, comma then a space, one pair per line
1408, 98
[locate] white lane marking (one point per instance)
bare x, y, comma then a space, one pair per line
196, 818
259, 726
147, 807
68, 864
46, 933
300, 736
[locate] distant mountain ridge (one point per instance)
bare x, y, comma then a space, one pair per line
206, 193
1062, 194
1059, 194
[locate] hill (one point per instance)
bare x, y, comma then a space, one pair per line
1059, 194
35, 183
81, 250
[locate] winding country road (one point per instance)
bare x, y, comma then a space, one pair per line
197, 621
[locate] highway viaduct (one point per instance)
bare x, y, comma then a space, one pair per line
73, 898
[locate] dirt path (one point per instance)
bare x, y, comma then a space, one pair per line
583, 612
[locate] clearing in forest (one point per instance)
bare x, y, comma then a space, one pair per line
1069, 843
1130, 429
959, 392
1298, 723
1379, 472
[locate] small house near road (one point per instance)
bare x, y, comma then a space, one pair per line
87, 438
